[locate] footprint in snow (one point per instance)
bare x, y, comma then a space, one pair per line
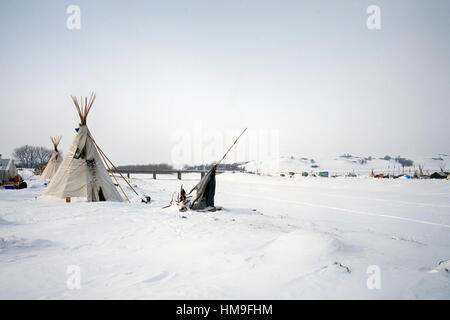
5, 222
336, 266
158, 277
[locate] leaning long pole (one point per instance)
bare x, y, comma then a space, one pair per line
101, 151
117, 171
105, 156
218, 163
114, 176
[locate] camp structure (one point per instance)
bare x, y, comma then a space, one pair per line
82, 172
202, 195
439, 175
323, 174
55, 160
8, 170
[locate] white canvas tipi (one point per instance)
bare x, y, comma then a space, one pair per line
54, 162
82, 173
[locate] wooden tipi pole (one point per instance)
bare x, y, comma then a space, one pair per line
218, 163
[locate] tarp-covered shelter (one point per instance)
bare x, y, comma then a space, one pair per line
439, 175
203, 193
8, 170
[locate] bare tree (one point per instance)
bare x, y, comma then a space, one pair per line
23, 155
30, 156
42, 155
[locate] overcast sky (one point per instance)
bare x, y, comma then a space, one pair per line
309, 70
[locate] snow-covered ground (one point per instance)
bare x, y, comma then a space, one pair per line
277, 237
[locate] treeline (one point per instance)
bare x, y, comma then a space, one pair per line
168, 167
31, 156
147, 167
403, 161
236, 166
363, 160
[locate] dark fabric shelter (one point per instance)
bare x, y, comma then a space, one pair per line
204, 191
439, 175
202, 195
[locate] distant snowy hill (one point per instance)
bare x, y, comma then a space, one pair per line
347, 163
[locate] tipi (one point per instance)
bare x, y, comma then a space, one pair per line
82, 173
54, 162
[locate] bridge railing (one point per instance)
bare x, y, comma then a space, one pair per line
128, 172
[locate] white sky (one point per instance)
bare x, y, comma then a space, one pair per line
310, 70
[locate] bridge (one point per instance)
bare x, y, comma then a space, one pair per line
158, 172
